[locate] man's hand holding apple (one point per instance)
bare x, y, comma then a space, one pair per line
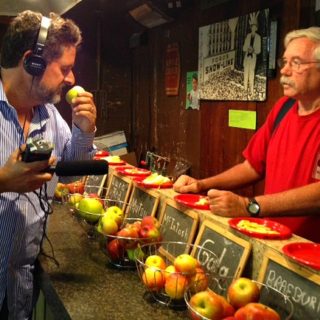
84, 112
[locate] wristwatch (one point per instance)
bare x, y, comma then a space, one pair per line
253, 207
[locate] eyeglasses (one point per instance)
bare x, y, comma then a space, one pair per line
294, 64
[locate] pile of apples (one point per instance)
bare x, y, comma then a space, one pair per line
174, 278
62, 189
89, 206
124, 238
242, 303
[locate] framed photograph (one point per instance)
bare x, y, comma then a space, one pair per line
233, 58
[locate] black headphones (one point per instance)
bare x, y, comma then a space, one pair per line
34, 64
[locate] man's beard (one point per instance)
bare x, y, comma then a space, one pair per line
46, 95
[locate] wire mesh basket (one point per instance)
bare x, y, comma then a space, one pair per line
267, 296
166, 272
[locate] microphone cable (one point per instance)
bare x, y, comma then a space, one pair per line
46, 206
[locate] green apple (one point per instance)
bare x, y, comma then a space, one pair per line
73, 93
108, 225
90, 209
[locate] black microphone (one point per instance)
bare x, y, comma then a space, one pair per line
79, 168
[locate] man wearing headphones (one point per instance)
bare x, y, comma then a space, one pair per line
37, 58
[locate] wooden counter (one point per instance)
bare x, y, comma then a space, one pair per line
85, 286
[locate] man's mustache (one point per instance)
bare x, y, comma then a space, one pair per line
286, 81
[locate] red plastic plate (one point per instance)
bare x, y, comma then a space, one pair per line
304, 252
138, 172
283, 232
139, 182
190, 200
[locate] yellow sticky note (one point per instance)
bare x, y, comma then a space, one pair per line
242, 119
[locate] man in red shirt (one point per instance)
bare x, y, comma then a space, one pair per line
288, 156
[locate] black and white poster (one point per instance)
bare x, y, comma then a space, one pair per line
233, 58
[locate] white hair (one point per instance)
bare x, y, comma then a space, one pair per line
312, 33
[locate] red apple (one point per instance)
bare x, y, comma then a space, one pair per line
153, 278
150, 221
155, 261
149, 232
115, 250
185, 263
228, 309
128, 235
256, 311
198, 281
243, 291
206, 305
76, 187
176, 285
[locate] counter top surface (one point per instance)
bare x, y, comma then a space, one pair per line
86, 285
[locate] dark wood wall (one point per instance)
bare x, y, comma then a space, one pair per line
128, 82
201, 137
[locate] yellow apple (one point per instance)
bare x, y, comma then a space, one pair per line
73, 93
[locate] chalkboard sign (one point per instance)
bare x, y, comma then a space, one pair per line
232, 251
119, 191
299, 284
178, 226
142, 203
95, 184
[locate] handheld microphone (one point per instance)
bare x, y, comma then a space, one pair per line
79, 168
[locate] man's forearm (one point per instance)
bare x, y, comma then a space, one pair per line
235, 177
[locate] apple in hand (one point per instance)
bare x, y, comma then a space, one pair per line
242, 291
107, 225
115, 250
176, 285
206, 305
153, 278
256, 311
90, 209
156, 262
185, 263
73, 93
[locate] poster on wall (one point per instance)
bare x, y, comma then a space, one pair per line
192, 91
233, 58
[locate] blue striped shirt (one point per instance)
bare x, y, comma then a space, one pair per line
21, 217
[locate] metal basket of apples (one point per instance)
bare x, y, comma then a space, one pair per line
124, 236
238, 299
168, 269
86, 206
